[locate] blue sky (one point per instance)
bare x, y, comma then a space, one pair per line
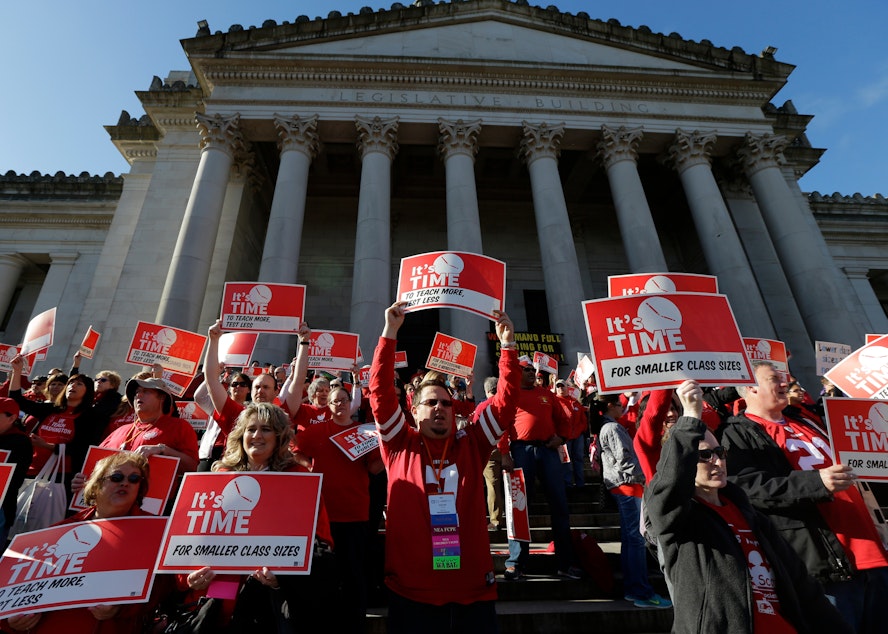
70, 67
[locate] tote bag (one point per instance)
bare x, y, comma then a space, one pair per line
42, 500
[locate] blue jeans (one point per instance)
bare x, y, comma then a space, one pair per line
862, 600
633, 551
536, 460
573, 471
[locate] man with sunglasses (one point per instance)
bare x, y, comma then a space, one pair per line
437, 559
730, 569
787, 469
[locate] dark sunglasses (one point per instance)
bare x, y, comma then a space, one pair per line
239, 384
431, 402
102, 379
705, 455
117, 478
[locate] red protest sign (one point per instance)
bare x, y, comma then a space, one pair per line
236, 523
544, 363
656, 283
858, 434
90, 343
658, 341
357, 441
263, 307
870, 338
767, 350
332, 350
236, 348
7, 354
450, 279
4, 456
517, 514
39, 334
452, 355
5, 472
160, 484
194, 414
864, 372
364, 376
400, 359
175, 350
80, 565
585, 369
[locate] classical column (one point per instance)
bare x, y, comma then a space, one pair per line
724, 254
618, 149
51, 296
183, 293
371, 285
11, 265
298, 140
458, 145
871, 306
561, 272
810, 269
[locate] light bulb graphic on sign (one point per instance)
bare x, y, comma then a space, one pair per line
658, 313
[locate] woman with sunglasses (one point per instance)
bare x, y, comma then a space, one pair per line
260, 441
70, 420
730, 569
115, 488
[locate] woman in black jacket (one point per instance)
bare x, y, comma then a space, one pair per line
730, 569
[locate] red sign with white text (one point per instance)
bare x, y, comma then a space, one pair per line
263, 307
452, 355
90, 343
864, 372
545, 363
585, 369
332, 350
160, 484
364, 376
236, 348
175, 350
655, 283
7, 354
659, 341
357, 441
858, 433
767, 350
517, 513
80, 565
451, 279
237, 522
400, 359
194, 414
39, 334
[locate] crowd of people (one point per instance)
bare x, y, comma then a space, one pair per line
734, 491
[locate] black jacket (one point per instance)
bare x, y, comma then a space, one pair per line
707, 567
787, 495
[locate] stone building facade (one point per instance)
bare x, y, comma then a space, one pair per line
323, 151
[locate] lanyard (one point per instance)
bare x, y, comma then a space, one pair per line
440, 468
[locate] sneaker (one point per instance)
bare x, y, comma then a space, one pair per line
571, 573
512, 574
654, 601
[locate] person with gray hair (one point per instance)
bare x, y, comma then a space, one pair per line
787, 469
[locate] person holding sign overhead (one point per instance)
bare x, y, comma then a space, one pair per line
114, 489
438, 565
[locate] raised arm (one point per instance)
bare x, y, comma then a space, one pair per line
297, 377
213, 368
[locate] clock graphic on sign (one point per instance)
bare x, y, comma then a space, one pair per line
448, 264
658, 313
878, 416
659, 284
241, 494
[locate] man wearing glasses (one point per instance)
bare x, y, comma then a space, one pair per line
437, 560
787, 469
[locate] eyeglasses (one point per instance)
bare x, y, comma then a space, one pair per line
239, 384
117, 478
705, 455
102, 379
431, 402
559, 386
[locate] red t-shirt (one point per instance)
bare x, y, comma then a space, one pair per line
346, 482
56, 429
847, 514
538, 418
766, 604
309, 415
166, 430
574, 412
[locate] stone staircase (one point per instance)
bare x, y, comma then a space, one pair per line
541, 602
